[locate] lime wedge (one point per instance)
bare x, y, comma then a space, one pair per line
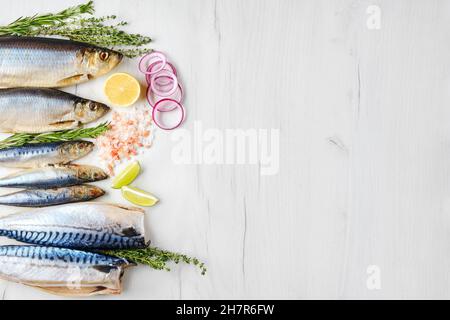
127, 175
138, 196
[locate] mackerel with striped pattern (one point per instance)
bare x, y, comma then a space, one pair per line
62, 271
93, 225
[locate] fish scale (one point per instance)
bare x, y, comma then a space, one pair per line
62, 271
50, 62
53, 176
43, 154
50, 197
80, 226
47, 110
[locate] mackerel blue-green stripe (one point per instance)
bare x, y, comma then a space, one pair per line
79, 226
76, 240
60, 254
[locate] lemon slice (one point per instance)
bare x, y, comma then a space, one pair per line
138, 196
127, 175
122, 90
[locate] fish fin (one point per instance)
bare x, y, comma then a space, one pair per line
73, 80
83, 291
67, 124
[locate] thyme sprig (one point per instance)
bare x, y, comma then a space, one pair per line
94, 31
19, 139
155, 258
79, 24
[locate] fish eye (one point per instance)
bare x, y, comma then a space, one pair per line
104, 55
92, 106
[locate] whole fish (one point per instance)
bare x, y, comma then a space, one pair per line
91, 225
53, 176
51, 197
62, 271
35, 110
43, 154
49, 62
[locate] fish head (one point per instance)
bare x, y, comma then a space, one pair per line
88, 110
91, 173
87, 192
75, 149
95, 192
99, 61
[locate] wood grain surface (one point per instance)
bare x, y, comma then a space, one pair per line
364, 148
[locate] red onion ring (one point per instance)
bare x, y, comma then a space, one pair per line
159, 91
178, 105
147, 58
168, 66
152, 98
162, 85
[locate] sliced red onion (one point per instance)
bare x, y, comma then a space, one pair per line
153, 98
149, 59
164, 92
157, 107
163, 82
168, 66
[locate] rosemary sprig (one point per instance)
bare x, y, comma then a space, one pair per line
19, 139
28, 25
155, 258
79, 24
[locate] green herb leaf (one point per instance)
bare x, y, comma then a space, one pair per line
155, 258
26, 25
19, 139
78, 24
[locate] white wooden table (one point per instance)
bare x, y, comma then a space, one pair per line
360, 206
